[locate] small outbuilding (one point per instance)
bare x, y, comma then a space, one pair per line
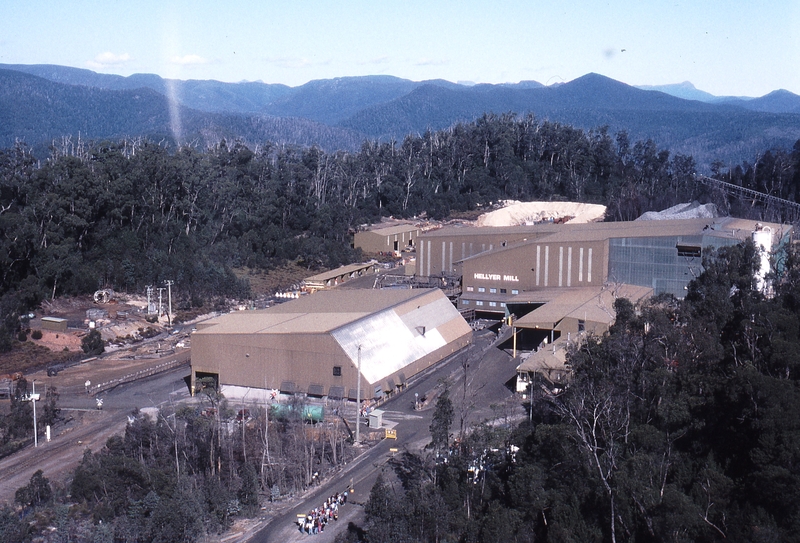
375, 418
334, 277
56, 324
387, 239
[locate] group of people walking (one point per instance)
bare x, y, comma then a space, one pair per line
314, 522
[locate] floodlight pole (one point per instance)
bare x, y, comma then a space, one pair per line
358, 398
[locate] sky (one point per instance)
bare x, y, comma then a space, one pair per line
727, 48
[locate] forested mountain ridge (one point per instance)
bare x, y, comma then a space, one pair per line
386, 107
334, 100
203, 95
779, 101
40, 112
708, 132
33, 109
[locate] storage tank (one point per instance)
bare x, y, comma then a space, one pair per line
762, 239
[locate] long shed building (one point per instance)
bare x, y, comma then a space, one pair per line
315, 344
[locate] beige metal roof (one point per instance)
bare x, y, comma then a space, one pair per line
395, 229
723, 227
349, 301
338, 272
536, 296
257, 322
638, 229
465, 229
389, 341
589, 304
550, 357
320, 312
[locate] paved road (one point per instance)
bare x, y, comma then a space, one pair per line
86, 427
486, 364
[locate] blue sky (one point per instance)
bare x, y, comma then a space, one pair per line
732, 47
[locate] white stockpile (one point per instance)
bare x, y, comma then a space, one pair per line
521, 213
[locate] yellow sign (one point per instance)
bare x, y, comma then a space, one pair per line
391, 434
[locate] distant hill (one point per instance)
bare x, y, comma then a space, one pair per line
341, 112
333, 100
706, 131
39, 112
36, 110
587, 101
203, 95
779, 101
684, 90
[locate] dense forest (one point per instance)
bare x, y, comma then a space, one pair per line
130, 213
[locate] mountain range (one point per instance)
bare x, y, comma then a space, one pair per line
42, 104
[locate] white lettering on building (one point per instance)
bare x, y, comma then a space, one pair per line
496, 277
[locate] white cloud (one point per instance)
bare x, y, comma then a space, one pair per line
378, 61
431, 62
187, 60
109, 60
295, 62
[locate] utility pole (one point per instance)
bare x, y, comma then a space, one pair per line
149, 295
32, 397
358, 398
35, 429
169, 283
160, 303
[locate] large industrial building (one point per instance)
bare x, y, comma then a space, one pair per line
560, 281
498, 264
316, 344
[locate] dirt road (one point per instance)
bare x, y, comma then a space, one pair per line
84, 426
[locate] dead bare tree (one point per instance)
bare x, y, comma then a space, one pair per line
598, 406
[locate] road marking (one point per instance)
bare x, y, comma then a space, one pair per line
401, 415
